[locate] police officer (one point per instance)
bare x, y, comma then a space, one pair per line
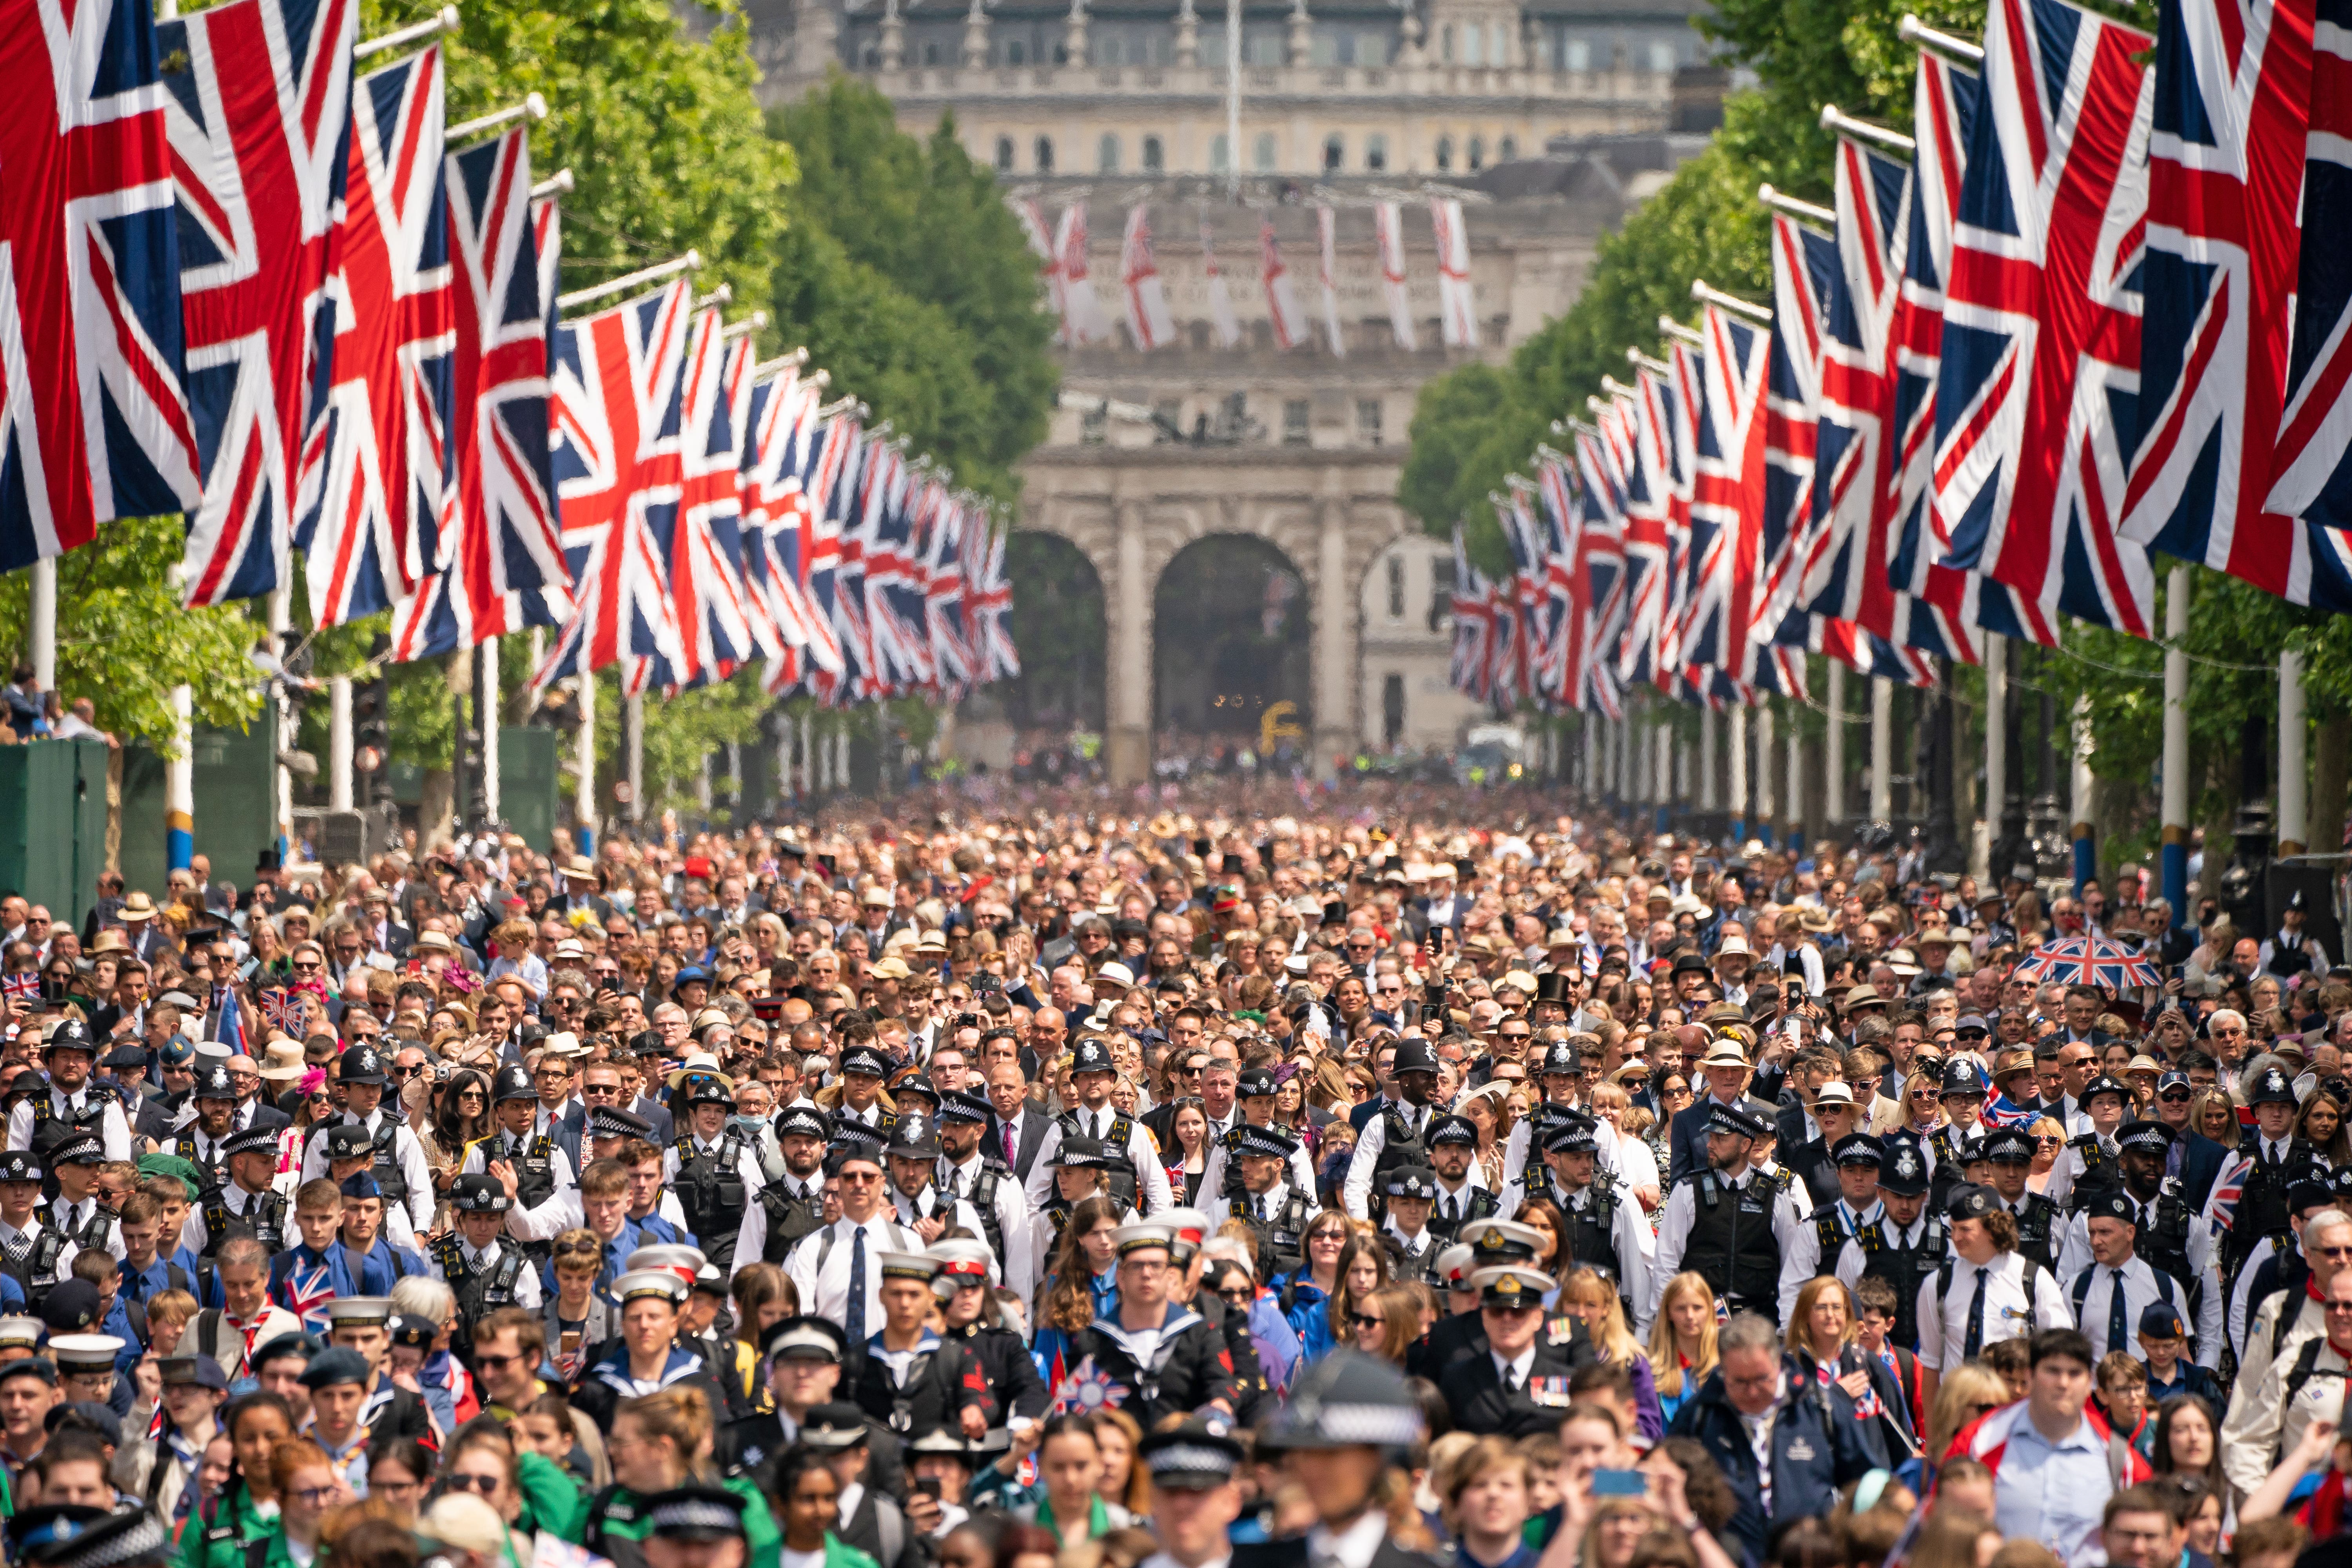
2266, 1165
1729, 1223
1412, 1247
1394, 1136
1606, 1229
1254, 1096
2086, 1167
1906, 1244
1081, 1170
1276, 1211
400, 1167
199, 1140
2166, 1237
1141, 1182
1541, 1178
922, 1208
546, 1186
793, 1204
72, 1097
715, 1168
247, 1203
1830, 1226
967, 1171
1360, 1414
1462, 1194
34, 1254
1963, 1100
2009, 1159
1559, 1077
485, 1271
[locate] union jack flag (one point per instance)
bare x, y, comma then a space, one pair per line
1474, 627
377, 488
1846, 573
988, 604
2233, 86
1598, 567
775, 510
94, 423
260, 126
1727, 510
309, 1290
1558, 517
24, 985
821, 557
1636, 445
944, 593
2221, 1203
2310, 477
2001, 1112
768, 637
703, 543
1947, 100
1669, 402
2040, 350
615, 413
505, 568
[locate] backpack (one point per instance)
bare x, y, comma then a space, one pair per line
2305, 1368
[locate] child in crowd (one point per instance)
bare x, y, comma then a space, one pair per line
2164, 1341
2122, 1385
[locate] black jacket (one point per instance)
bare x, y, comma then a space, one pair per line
1189, 1367
752, 1445
1013, 1386
1463, 1335
1474, 1389
940, 1381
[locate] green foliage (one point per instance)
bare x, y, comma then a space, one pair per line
906, 277
123, 641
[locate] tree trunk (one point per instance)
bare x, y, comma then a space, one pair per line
2331, 775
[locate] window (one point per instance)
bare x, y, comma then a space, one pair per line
1444, 153
1499, 45
1473, 44
1577, 55
1106, 155
1221, 154
1154, 160
1507, 149
1445, 44
1371, 48
1334, 153
1262, 154
1376, 153
930, 54
1391, 709
1396, 584
1016, 53
1441, 590
1325, 50
1477, 153
1107, 49
1045, 154
1004, 155
1294, 422
1662, 57
871, 56
1265, 47
1367, 430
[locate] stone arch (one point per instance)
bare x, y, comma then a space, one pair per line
1232, 638
1058, 622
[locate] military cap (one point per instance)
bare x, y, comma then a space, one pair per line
70, 1306
1512, 1285
2111, 1205
19, 1165
833, 1427
964, 1261
1576, 1136
38, 1366
478, 1194
694, 1514
21, 1334
252, 1141
1493, 1241
358, 1312
641, 1282
805, 1338
941, 1444
2161, 1320
84, 1352
200, 1371
612, 1121
1969, 1201
1451, 1128
1261, 1141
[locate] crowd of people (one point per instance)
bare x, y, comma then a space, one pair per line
1428, 1175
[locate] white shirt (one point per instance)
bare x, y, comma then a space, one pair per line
1151, 1189
825, 1289
1513, 1371
1675, 1227
2141, 1289
405, 1151
1944, 1322
1354, 1547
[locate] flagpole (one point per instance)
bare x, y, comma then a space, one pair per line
1233, 99
442, 21
1996, 669
690, 262
2175, 846
339, 743
1833, 755
45, 625
1881, 749
2293, 779
1766, 815
1737, 748
2087, 861
584, 802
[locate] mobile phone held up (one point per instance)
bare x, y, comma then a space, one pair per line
1619, 1483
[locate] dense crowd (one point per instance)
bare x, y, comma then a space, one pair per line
1421, 1174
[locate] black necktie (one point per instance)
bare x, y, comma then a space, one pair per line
855, 1315
2116, 1338
1510, 1381
1975, 1341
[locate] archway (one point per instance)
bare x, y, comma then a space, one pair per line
1232, 632
1058, 627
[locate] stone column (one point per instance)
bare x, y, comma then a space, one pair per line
1766, 814
1188, 38
894, 37
1708, 722
1335, 609
1126, 605
1299, 48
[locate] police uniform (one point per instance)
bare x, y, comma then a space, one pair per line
2086, 1166
1412, 1259
190, 1141
497, 1276
1905, 1256
1279, 1216
400, 1167
916, 1140
231, 1209
2167, 1242
1831, 1225
1472, 1200
547, 1192
2265, 1170
1733, 1231
994, 1193
1218, 1171
1607, 1231
93, 1108
1395, 1135
37, 1257
1111, 1127
790, 1207
717, 1179
2039, 1220
1959, 1311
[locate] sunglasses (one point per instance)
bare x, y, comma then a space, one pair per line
1369, 1321
2174, 1097
459, 1480
575, 1249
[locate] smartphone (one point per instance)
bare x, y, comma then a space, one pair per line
1231, 865
929, 1485
1619, 1483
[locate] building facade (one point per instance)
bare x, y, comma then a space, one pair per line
1548, 121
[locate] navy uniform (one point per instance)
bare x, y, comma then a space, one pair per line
1733, 1230
914, 1390
1490, 1243
1528, 1393
1178, 1368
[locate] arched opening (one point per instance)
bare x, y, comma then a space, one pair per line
1057, 625
1230, 639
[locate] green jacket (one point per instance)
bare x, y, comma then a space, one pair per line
221, 1545
617, 1514
839, 1553
552, 1500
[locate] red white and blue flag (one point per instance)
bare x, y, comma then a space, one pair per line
776, 452
260, 125
2311, 471
94, 420
615, 411
703, 543
2039, 349
377, 489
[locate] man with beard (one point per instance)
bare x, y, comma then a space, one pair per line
2166, 1238
1729, 1224
922, 1208
1462, 1192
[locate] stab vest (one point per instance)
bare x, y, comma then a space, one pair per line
710, 1189
1281, 1236
1593, 1230
1731, 1245
789, 1218
1904, 1267
263, 1219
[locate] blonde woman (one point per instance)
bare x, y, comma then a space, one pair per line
2049, 1135
1821, 1334
1969, 1392
1587, 1296
1682, 1340
1637, 1168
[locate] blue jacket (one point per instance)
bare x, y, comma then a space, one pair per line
1309, 1313
1817, 1447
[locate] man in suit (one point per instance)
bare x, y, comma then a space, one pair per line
581, 892
563, 1115
1724, 1067
1519, 1386
1016, 1125
252, 1110
2193, 1159
602, 1084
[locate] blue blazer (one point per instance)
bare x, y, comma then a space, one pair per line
1817, 1447
2200, 1166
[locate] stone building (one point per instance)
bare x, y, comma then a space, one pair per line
1547, 118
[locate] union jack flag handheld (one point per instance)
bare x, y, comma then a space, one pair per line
2040, 350
616, 459
1086, 1389
94, 422
260, 127
377, 488
2233, 92
308, 1291
505, 568
24, 985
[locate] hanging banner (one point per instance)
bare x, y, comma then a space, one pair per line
1388, 226
1281, 299
1458, 308
1325, 225
1147, 300
1221, 300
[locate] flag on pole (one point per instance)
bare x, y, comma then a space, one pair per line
1049, 257
1457, 306
260, 126
1082, 314
1147, 300
702, 546
1221, 299
1281, 299
377, 488
2233, 92
1388, 228
94, 421
505, 568
2040, 351
779, 426
1325, 225
2312, 468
